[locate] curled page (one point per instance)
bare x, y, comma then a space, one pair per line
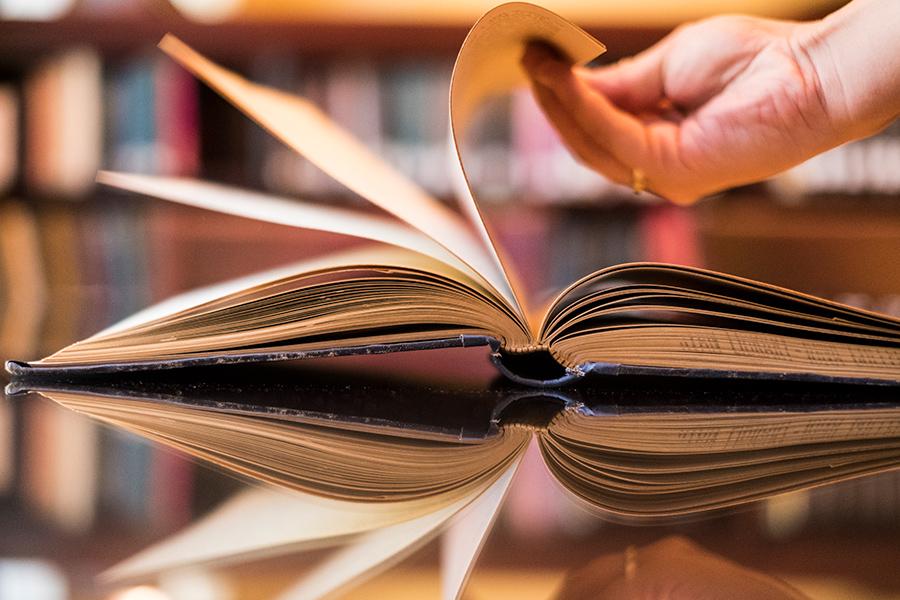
488, 64
302, 126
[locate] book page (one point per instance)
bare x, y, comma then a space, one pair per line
465, 537
265, 522
283, 211
302, 126
488, 64
380, 549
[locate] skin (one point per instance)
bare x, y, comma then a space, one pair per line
673, 568
728, 100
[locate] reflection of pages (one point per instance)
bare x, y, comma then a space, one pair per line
376, 479
262, 522
464, 538
445, 282
640, 464
380, 549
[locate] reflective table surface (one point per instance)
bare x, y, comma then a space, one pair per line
77, 497
81, 497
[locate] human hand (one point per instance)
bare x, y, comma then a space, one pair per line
671, 569
718, 103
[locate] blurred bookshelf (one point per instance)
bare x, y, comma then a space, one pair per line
381, 72
89, 90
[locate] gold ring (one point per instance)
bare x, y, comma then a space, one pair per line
630, 563
638, 181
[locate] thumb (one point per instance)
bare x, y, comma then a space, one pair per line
635, 84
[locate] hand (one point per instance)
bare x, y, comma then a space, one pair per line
718, 103
671, 569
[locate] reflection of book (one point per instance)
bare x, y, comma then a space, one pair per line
59, 465
9, 137
23, 279
381, 468
443, 282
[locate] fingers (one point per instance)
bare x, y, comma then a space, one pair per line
578, 142
603, 135
617, 133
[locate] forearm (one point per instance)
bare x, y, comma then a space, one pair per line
855, 53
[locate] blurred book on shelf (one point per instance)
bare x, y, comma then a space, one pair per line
153, 117
63, 123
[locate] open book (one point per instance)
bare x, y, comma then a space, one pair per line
436, 278
378, 478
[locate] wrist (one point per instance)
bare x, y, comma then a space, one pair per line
853, 57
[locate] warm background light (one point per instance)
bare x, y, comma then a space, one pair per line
604, 13
34, 10
142, 592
